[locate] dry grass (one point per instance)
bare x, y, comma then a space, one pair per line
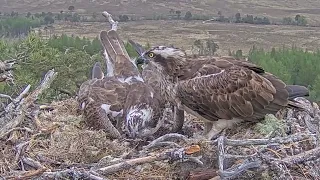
64, 141
271, 8
183, 34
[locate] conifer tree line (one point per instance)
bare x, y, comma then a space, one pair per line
72, 57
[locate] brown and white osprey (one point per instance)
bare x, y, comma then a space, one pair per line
102, 101
152, 78
221, 91
140, 104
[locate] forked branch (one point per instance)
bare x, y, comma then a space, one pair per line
114, 24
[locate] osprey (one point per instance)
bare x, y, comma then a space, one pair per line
140, 104
102, 100
221, 91
152, 78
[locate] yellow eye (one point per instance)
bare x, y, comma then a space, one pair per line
151, 55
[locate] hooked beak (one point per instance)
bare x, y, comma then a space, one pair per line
142, 60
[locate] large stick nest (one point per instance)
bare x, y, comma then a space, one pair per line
53, 142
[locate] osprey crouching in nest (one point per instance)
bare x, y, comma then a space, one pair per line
102, 100
221, 91
122, 94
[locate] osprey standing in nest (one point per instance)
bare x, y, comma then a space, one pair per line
220, 91
152, 78
140, 104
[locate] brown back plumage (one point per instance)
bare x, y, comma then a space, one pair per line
102, 101
222, 87
140, 104
118, 55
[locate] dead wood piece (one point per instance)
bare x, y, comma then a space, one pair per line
164, 138
25, 103
173, 155
33, 163
28, 174
233, 172
162, 144
20, 148
221, 152
202, 174
238, 169
303, 157
114, 24
278, 140
6, 96
18, 129
72, 173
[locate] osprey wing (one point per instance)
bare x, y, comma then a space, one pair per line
233, 92
100, 99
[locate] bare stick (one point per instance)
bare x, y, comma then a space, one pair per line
17, 129
6, 96
12, 105
28, 174
235, 171
166, 143
71, 172
176, 154
221, 152
164, 138
47, 80
32, 163
20, 150
279, 140
23, 94
27, 102
130, 163
303, 157
114, 24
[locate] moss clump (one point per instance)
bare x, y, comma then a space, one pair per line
269, 125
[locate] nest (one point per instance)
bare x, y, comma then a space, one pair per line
52, 142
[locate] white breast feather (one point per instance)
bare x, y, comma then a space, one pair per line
130, 79
106, 108
145, 113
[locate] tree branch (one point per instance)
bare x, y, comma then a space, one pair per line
173, 155
21, 110
114, 24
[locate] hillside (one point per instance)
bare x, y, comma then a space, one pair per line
270, 8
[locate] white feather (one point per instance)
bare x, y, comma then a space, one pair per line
145, 114
106, 108
110, 66
210, 75
130, 79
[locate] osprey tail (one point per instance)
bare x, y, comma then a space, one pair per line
297, 91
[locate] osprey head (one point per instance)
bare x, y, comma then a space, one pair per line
164, 58
137, 119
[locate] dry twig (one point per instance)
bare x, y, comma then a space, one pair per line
114, 24
72, 173
173, 155
24, 103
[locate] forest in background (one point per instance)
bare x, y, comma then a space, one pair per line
72, 57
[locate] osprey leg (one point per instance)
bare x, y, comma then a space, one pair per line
218, 126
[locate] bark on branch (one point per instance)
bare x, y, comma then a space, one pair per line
114, 24
17, 110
